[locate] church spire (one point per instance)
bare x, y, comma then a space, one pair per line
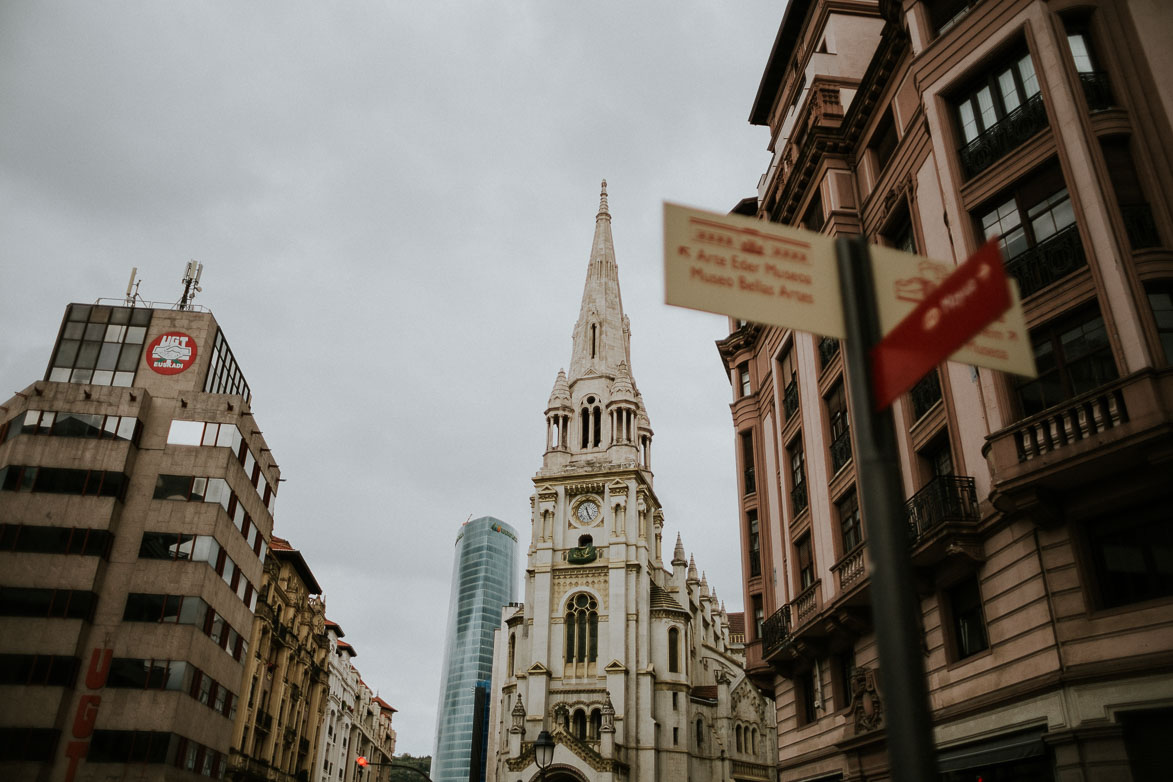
602, 333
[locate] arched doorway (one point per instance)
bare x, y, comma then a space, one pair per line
560, 773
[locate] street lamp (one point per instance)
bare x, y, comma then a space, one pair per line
543, 752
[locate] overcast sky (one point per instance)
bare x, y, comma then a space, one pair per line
394, 204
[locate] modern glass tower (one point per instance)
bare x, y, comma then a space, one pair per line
483, 582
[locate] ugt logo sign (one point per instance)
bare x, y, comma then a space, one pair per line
171, 353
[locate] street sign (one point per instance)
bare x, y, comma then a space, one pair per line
946, 317
751, 269
904, 280
785, 276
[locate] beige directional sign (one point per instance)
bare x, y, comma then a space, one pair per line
769, 273
902, 280
751, 269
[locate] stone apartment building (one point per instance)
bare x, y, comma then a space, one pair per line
357, 723
1037, 509
277, 733
136, 502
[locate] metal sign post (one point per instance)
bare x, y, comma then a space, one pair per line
911, 752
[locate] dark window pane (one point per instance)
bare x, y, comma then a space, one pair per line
172, 487
143, 608
969, 628
18, 601
128, 672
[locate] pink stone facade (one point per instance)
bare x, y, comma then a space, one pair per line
1037, 510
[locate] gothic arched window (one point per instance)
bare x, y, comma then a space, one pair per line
700, 733
582, 629
512, 651
737, 731
578, 724
673, 650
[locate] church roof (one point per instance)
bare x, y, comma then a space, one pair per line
706, 692
737, 623
662, 600
601, 333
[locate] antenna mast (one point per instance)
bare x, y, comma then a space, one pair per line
132, 287
191, 283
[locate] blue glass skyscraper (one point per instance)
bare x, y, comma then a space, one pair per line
483, 582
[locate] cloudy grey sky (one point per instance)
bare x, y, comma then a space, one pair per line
394, 205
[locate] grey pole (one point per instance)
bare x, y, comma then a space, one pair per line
911, 752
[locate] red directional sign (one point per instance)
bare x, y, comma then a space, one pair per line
947, 317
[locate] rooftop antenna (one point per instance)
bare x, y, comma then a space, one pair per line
191, 283
132, 287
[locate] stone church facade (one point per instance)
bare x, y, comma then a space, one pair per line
625, 659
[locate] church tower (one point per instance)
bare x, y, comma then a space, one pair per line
610, 648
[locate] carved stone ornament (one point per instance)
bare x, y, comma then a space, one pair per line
866, 706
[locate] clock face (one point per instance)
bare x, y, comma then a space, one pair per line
587, 511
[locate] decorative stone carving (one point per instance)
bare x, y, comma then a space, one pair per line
518, 714
866, 706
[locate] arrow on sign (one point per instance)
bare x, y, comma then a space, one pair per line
961, 306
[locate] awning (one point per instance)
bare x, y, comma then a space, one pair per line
1003, 749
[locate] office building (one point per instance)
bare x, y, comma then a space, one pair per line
1037, 509
484, 579
626, 660
136, 502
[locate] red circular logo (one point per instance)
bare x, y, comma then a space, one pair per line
171, 353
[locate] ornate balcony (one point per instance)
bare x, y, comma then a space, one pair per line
840, 451
790, 400
1141, 228
925, 395
807, 604
944, 500
828, 349
798, 501
1003, 137
850, 571
1121, 429
1048, 261
1097, 89
775, 632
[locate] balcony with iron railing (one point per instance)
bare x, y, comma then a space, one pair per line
1097, 89
790, 400
1120, 428
840, 451
925, 395
798, 498
775, 633
1048, 261
1011, 132
942, 520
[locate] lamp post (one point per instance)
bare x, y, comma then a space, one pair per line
543, 752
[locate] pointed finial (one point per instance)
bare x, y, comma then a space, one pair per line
678, 553
603, 210
692, 576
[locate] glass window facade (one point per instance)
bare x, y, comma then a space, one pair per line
99, 345
484, 580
